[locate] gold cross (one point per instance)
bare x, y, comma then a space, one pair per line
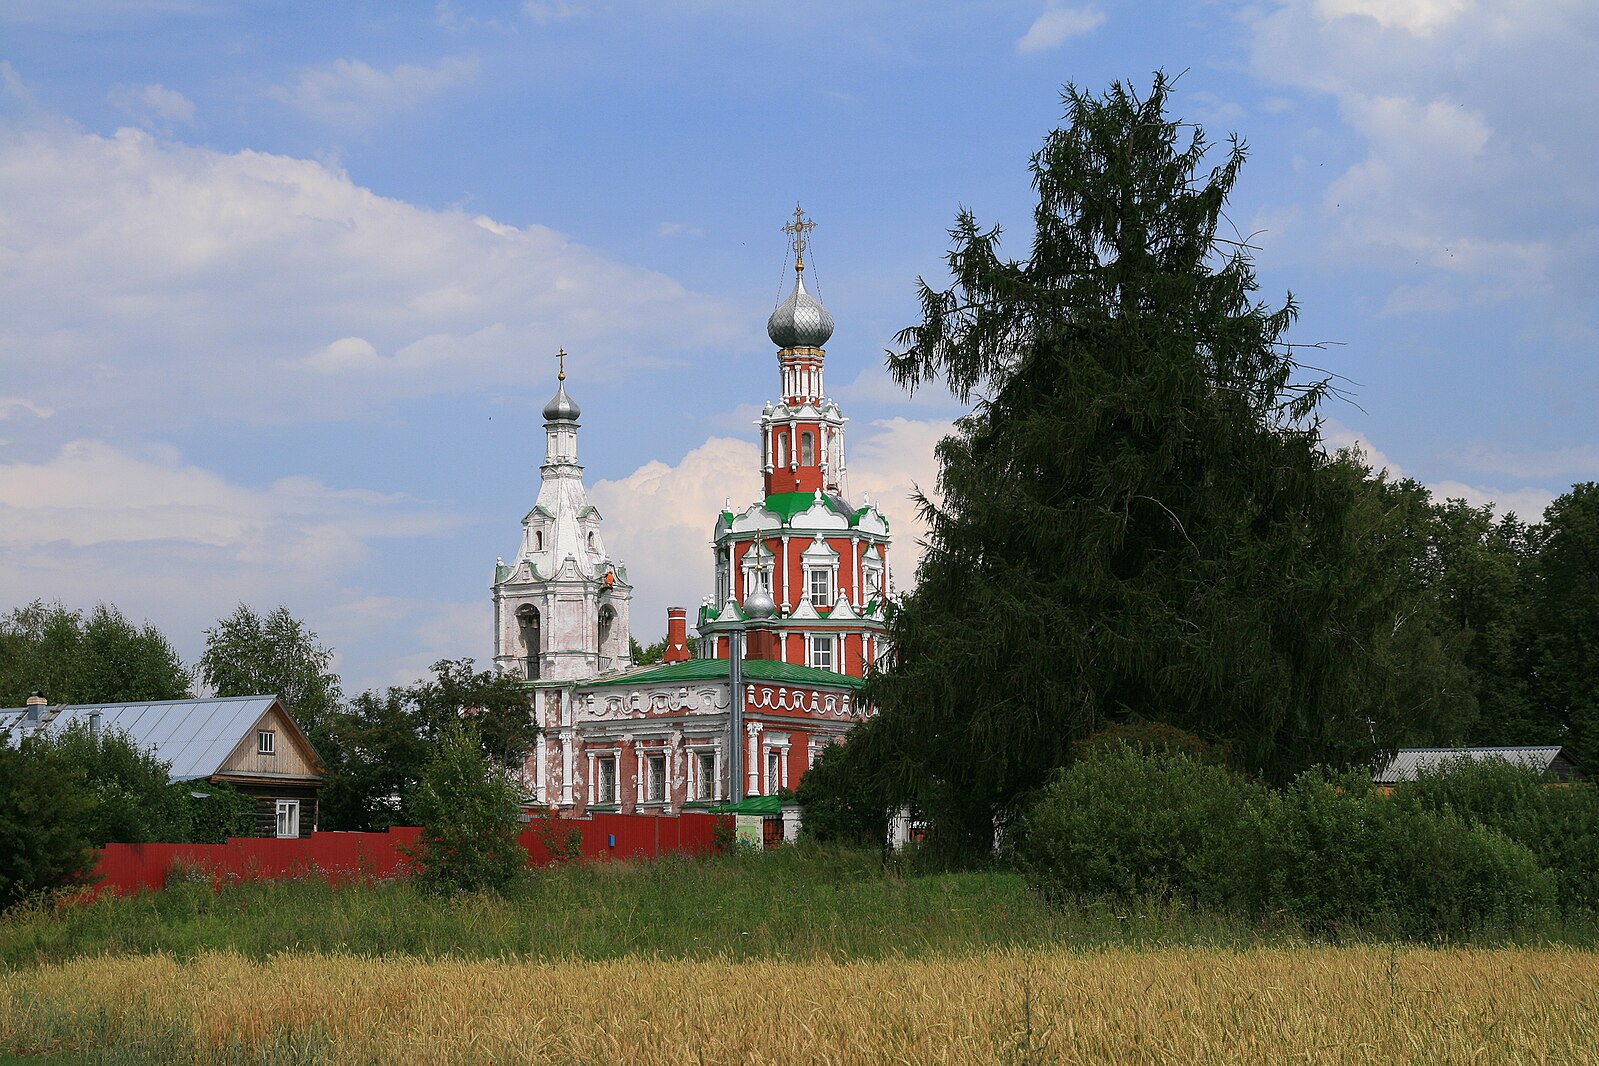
797, 231
561, 355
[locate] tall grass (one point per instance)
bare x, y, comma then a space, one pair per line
1311, 1003
805, 903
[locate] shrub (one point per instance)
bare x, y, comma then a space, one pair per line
1333, 854
1558, 823
470, 813
1128, 823
215, 810
45, 821
1150, 737
842, 799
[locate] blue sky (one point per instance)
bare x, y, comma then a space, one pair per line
281, 284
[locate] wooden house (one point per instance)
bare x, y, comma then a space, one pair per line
249, 742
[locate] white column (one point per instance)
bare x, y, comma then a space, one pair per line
638, 773
593, 781
787, 602
718, 790
782, 767
541, 755
566, 766
753, 762
855, 554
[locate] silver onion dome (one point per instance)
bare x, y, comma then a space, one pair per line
561, 408
800, 321
758, 604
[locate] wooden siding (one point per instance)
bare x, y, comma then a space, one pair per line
290, 757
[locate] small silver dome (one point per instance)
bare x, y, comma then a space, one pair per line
758, 605
561, 407
800, 321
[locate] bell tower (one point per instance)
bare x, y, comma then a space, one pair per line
561, 605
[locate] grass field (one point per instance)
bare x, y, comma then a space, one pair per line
1174, 1005
792, 956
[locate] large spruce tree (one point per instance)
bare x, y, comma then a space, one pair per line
1137, 519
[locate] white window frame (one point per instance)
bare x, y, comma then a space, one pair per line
825, 599
773, 770
602, 763
705, 762
288, 825
652, 794
817, 642
266, 742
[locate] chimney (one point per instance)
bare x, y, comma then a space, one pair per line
676, 636
36, 705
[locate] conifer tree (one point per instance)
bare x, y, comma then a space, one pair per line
1137, 519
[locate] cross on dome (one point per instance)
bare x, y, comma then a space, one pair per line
798, 240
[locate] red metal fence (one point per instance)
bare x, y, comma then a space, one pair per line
339, 857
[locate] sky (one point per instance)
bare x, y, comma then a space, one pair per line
282, 283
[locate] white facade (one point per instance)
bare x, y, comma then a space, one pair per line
561, 605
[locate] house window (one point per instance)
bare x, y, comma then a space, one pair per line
288, 818
821, 582
807, 449
821, 653
605, 780
266, 743
707, 781
655, 785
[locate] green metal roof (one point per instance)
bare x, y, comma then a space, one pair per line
752, 805
716, 670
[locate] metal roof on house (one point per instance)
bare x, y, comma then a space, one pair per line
1408, 761
194, 736
716, 670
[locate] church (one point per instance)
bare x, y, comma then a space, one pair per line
773, 672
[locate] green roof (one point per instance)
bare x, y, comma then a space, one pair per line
716, 670
752, 805
786, 505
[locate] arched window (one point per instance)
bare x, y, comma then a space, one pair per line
538, 540
607, 619
807, 449
782, 448
591, 540
527, 624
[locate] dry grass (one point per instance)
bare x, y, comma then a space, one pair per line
1316, 1003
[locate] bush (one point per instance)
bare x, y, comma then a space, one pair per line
842, 800
45, 820
1558, 823
470, 815
219, 811
1129, 823
1150, 737
1334, 854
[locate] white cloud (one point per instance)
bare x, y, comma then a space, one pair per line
349, 92
1056, 26
659, 518
678, 229
11, 406
1420, 17
1527, 504
153, 106
276, 289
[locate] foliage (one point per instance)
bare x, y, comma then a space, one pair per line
1137, 519
102, 659
1563, 612
647, 653
1128, 823
132, 800
469, 813
375, 748
45, 821
247, 654
216, 811
1334, 854
1558, 823
1156, 737
842, 803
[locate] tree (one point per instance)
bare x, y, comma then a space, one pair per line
104, 659
374, 750
249, 655
45, 812
647, 653
469, 812
1563, 619
1138, 520
133, 802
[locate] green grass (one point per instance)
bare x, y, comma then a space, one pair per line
790, 903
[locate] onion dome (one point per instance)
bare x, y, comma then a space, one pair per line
758, 604
800, 321
561, 408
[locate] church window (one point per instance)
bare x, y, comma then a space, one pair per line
527, 621
605, 780
782, 449
707, 781
607, 620
538, 540
821, 587
821, 653
591, 540
655, 781
807, 448
774, 770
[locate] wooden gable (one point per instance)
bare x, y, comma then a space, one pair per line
291, 756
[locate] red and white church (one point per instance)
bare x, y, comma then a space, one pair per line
775, 670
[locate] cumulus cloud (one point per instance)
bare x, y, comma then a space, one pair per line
659, 518
278, 290
153, 106
349, 92
1420, 17
1056, 26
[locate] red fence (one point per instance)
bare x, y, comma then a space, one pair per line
339, 857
